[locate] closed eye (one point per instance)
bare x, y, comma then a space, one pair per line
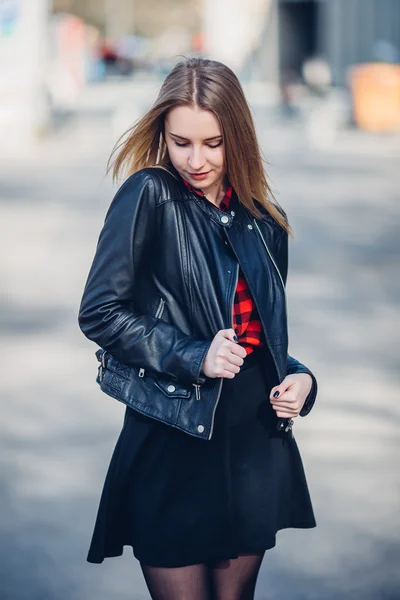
183, 145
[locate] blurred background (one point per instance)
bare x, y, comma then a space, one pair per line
323, 81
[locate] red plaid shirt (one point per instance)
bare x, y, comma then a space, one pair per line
246, 322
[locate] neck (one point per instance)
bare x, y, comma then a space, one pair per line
216, 192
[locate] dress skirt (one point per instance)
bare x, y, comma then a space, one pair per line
179, 500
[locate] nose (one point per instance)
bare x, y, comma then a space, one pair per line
196, 159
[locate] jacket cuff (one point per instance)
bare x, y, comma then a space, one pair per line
204, 348
310, 400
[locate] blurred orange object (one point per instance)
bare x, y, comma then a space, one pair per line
198, 42
376, 96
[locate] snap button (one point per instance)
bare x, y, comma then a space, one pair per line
250, 226
200, 428
224, 219
171, 388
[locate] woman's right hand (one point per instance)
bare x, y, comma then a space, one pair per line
224, 357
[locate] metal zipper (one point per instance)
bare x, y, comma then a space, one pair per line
281, 377
160, 309
270, 255
274, 263
222, 379
103, 365
197, 387
234, 291
286, 424
159, 312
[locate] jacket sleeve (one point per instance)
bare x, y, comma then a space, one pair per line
293, 365
107, 312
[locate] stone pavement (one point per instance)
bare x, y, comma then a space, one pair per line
58, 430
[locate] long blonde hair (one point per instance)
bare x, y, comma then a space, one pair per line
209, 85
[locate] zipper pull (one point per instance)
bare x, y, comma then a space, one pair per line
197, 387
289, 426
102, 366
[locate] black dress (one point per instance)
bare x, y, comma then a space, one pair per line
179, 500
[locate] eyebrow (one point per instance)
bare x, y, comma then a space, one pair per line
216, 137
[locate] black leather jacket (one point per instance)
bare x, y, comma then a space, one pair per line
162, 284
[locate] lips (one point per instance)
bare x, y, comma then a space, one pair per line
199, 176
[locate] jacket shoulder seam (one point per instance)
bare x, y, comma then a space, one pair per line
145, 177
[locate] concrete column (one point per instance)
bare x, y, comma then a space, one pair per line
333, 19
24, 110
268, 53
233, 29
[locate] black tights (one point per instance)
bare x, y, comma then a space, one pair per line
233, 579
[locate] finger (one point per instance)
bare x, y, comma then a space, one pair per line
285, 415
227, 347
229, 334
231, 368
235, 359
238, 350
289, 411
224, 357
228, 374
286, 405
286, 399
278, 390
279, 408
223, 366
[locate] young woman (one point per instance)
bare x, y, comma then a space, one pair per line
186, 298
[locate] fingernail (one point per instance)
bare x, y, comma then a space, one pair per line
276, 394
235, 337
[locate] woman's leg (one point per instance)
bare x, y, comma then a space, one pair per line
235, 579
181, 583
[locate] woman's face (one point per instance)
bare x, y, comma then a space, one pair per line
194, 140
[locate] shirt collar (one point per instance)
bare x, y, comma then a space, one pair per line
224, 205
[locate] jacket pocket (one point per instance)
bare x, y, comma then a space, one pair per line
120, 379
172, 389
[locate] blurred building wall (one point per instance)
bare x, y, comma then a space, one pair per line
345, 32
350, 30
92, 11
119, 18
142, 17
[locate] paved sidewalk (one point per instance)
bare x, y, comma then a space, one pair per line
57, 430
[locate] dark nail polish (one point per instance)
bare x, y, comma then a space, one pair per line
235, 337
276, 394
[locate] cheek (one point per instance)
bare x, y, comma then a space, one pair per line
217, 158
177, 155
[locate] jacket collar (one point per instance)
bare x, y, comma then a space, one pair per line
225, 202
223, 218
235, 214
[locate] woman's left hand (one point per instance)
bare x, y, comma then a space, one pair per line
293, 392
